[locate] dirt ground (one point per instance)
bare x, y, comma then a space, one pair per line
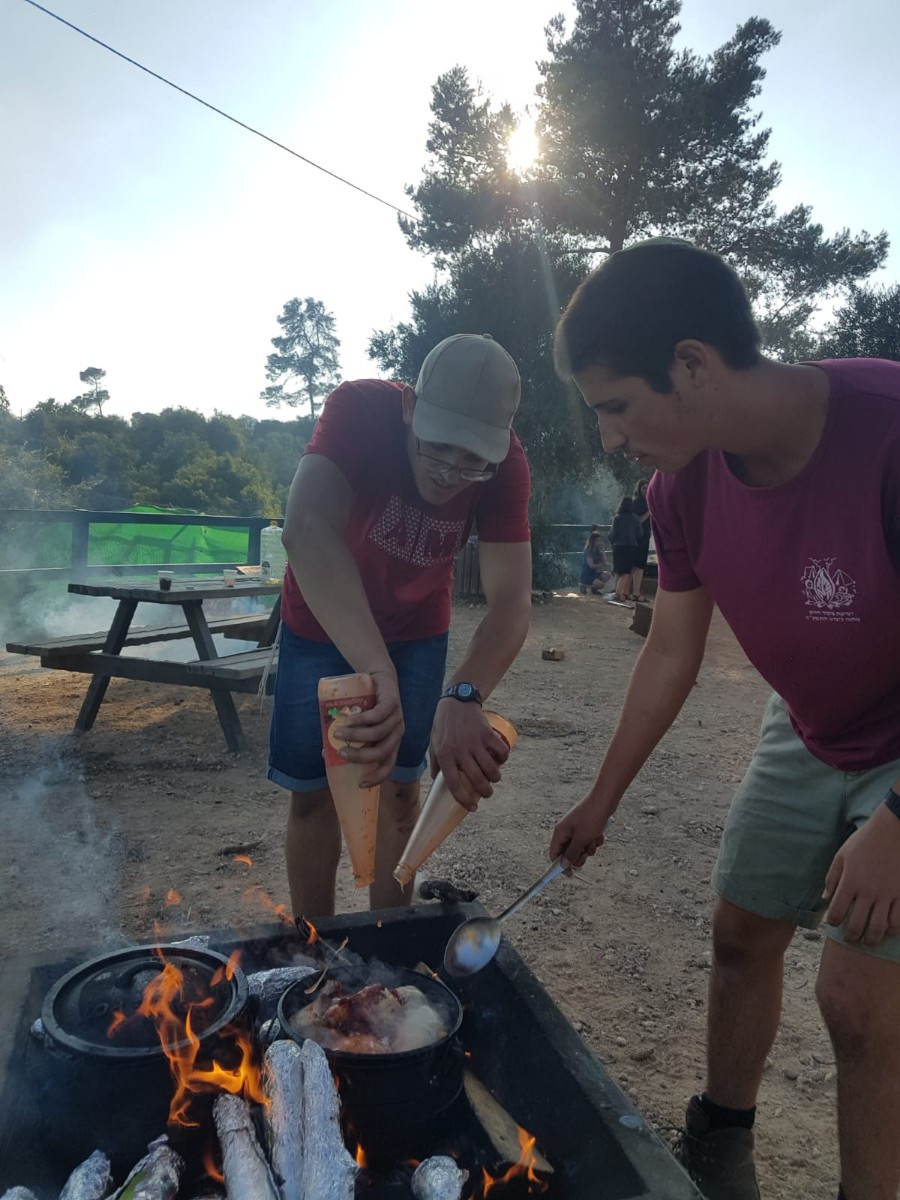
99, 832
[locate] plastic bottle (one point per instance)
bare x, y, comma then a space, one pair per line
440, 815
272, 555
357, 808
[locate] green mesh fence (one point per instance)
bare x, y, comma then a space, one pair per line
166, 543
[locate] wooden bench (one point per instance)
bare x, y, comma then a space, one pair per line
247, 627
240, 672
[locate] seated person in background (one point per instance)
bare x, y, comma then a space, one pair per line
594, 573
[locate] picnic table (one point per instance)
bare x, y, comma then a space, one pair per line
100, 654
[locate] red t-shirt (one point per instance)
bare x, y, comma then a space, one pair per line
403, 546
807, 574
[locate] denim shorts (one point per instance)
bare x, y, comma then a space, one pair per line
295, 735
789, 818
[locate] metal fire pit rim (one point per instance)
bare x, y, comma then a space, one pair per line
119, 1055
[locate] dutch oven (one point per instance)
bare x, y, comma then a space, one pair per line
113, 1093
393, 1104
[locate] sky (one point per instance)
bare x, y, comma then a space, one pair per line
144, 234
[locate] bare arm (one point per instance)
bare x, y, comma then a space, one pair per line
314, 537
660, 683
464, 746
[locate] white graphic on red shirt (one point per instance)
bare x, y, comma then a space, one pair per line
826, 586
408, 534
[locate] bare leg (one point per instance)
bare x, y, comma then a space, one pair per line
637, 580
744, 1001
398, 808
312, 850
860, 1000
622, 582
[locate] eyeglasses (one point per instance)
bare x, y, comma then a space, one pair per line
467, 474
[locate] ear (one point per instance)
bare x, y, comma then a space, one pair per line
693, 363
409, 403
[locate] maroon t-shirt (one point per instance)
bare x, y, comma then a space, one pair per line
807, 574
403, 546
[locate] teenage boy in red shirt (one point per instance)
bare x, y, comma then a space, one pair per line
385, 497
777, 498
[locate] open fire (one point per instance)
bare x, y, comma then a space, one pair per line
141, 1051
377, 1020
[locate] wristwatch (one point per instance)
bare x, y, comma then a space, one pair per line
467, 692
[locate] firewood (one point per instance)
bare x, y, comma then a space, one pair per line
283, 1085
247, 1173
501, 1129
438, 1178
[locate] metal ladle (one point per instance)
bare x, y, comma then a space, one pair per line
474, 943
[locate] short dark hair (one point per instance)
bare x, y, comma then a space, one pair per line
629, 314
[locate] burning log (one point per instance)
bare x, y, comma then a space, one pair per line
246, 1170
156, 1177
90, 1180
329, 1171
438, 1178
502, 1131
283, 1087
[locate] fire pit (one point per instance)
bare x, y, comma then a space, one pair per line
520, 1053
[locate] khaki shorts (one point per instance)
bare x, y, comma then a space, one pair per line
790, 816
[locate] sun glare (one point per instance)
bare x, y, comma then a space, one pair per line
522, 148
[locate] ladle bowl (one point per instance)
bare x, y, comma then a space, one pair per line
472, 946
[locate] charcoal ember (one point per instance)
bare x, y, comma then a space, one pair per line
446, 892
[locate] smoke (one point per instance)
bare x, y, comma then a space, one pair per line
59, 883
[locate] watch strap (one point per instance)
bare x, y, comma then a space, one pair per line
892, 801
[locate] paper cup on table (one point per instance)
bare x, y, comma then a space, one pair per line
440, 815
341, 696
229, 578
165, 580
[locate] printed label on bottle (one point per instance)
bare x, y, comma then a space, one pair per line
334, 714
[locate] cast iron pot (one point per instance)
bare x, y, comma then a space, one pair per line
395, 1105
113, 1093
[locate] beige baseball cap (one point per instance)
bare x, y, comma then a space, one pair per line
467, 394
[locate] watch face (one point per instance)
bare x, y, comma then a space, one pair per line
465, 690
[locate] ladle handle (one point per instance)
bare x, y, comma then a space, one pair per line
554, 872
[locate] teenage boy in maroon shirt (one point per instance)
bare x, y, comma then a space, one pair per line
386, 495
777, 498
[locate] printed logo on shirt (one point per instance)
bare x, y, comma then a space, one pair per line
829, 591
407, 533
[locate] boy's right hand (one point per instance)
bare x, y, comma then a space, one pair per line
380, 729
580, 833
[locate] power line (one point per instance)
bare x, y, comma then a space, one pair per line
206, 104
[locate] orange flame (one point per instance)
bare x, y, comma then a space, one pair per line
181, 1045
172, 898
522, 1170
210, 1166
360, 1156
245, 859
226, 972
118, 1020
280, 910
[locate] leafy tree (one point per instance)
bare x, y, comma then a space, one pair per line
867, 326
637, 139
95, 396
4, 399
304, 367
